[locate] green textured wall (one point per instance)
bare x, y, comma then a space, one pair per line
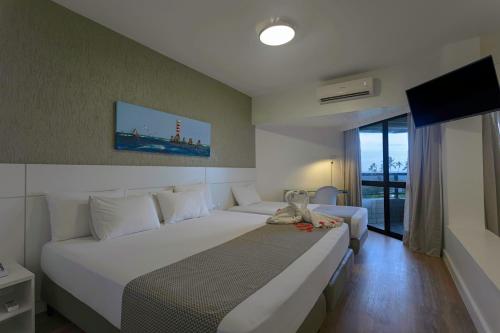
61, 73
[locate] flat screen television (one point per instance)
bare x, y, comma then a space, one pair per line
467, 91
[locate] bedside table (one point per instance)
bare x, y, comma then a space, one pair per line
18, 286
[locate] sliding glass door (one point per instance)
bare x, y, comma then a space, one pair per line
384, 166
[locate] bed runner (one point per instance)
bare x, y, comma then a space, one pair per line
196, 293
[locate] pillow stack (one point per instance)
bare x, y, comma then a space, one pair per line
153, 192
70, 213
246, 194
115, 217
181, 206
203, 188
111, 214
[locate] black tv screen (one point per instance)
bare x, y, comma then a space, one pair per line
465, 92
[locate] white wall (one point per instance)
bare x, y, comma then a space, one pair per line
471, 251
462, 150
465, 262
296, 158
289, 157
463, 173
391, 83
490, 44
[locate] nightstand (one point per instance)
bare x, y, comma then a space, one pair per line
18, 286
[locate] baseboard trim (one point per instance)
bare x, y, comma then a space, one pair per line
478, 319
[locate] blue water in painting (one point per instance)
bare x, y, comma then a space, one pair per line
126, 141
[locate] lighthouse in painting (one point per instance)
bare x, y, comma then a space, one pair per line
178, 128
177, 137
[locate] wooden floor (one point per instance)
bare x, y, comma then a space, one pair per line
395, 290
391, 290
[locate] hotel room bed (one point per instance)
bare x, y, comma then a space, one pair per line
96, 273
355, 217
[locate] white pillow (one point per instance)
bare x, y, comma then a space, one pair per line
245, 194
152, 192
115, 217
197, 187
70, 213
181, 206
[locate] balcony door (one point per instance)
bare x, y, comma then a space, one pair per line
384, 167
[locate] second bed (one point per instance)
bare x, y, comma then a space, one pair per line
355, 217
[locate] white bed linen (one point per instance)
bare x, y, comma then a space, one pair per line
97, 272
359, 215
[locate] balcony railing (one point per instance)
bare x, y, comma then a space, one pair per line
379, 176
374, 191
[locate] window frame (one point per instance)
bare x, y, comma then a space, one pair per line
386, 183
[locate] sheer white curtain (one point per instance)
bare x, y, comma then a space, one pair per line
424, 204
491, 170
352, 167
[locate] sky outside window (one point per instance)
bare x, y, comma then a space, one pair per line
371, 151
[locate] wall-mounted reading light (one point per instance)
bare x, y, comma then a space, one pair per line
332, 159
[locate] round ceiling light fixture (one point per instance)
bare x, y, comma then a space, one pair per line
276, 32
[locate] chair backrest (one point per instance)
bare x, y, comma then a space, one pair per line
326, 195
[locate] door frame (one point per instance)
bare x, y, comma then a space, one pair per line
386, 184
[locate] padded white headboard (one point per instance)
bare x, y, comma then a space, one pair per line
23, 190
220, 181
12, 189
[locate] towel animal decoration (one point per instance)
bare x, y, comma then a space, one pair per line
297, 213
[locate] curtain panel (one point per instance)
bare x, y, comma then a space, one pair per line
491, 170
424, 202
352, 167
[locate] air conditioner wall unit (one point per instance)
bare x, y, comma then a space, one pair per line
345, 90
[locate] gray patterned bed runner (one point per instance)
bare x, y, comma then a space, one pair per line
196, 293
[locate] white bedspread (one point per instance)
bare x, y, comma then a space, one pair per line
358, 215
97, 272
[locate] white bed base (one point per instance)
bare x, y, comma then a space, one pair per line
24, 218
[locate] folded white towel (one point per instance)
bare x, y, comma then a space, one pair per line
293, 213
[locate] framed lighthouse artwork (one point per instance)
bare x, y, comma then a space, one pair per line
143, 129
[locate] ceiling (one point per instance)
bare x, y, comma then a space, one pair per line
340, 121
334, 37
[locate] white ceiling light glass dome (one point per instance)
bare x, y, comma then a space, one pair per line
276, 31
